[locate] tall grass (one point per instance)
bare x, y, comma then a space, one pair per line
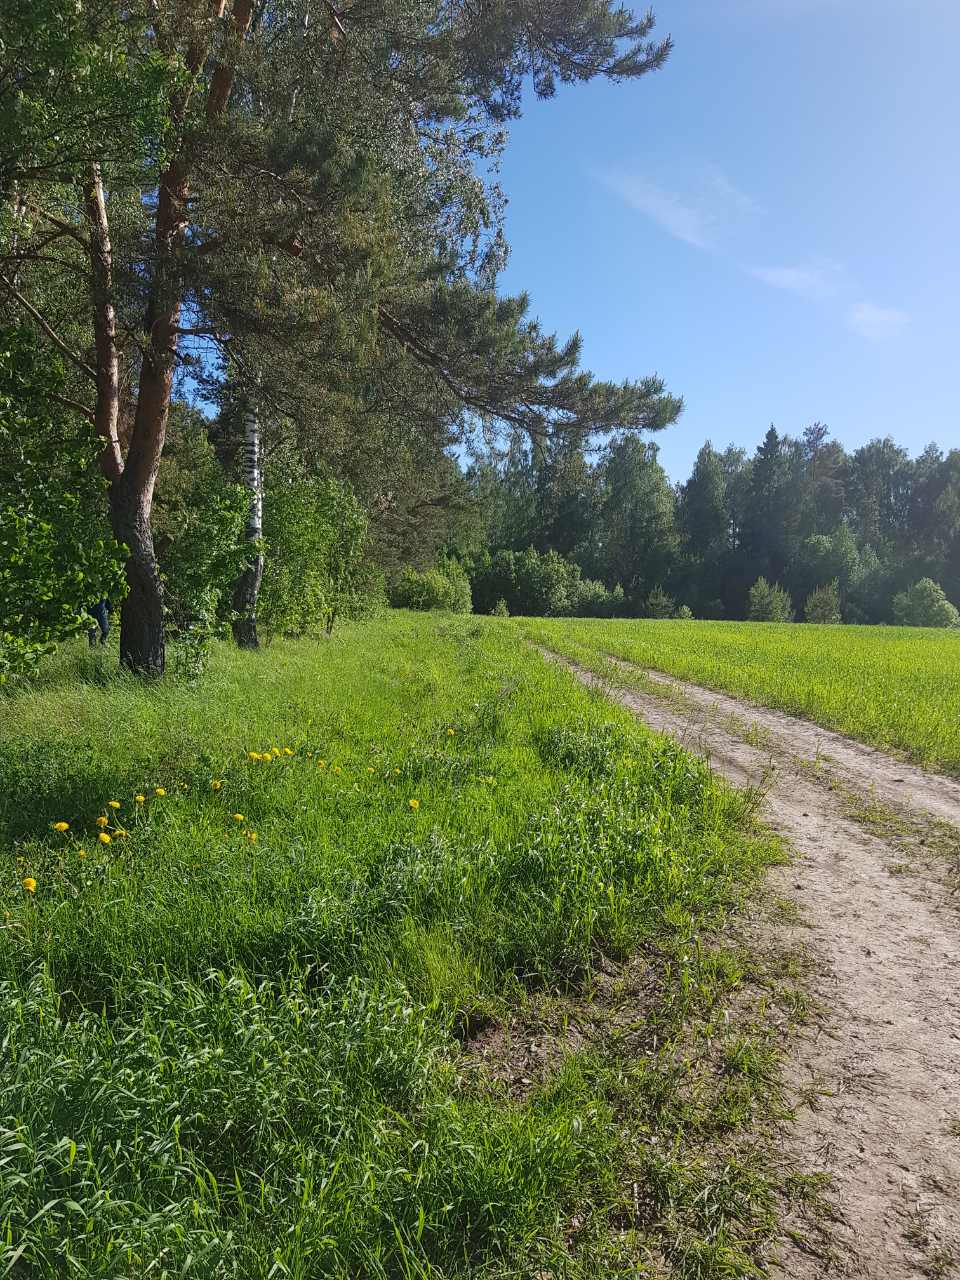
895, 687
231, 1037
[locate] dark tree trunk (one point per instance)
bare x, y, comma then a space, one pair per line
141, 614
244, 603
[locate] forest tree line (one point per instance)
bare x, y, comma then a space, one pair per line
570, 529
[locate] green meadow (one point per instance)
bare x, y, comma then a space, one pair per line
897, 688
243, 990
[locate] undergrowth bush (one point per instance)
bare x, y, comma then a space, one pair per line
57, 552
445, 587
925, 604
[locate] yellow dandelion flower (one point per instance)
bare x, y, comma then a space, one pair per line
287, 751
103, 838
321, 764
337, 769
216, 784
450, 733
159, 791
252, 837
396, 771
414, 804
120, 831
113, 804
275, 751
254, 755
29, 884
238, 817
102, 821
140, 799
81, 853
370, 768
61, 826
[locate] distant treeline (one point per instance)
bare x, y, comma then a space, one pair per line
562, 530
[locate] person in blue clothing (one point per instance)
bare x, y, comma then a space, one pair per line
100, 612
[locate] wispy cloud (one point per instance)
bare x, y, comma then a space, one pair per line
876, 323
679, 219
814, 280
708, 204
727, 193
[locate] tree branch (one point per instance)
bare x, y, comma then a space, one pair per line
66, 227
58, 342
74, 404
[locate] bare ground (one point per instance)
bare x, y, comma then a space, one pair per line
875, 1081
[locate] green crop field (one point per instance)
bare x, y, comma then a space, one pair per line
253, 934
895, 687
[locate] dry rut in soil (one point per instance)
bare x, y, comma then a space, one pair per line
876, 1082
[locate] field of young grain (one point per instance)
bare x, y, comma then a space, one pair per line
895, 687
260, 940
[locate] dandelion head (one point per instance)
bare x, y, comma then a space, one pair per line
103, 838
140, 799
113, 804
29, 884
216, 784
414, 804
61, 826
102, 821
159, 791
238, 817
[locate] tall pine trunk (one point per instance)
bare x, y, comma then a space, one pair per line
132, 478
246, 593
141, 614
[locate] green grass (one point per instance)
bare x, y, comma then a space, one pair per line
897, 688
222, 1057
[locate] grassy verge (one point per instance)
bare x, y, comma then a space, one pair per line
237, 1037
897, 688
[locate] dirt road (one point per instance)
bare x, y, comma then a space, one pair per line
876, 1082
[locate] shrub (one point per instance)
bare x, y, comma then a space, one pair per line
591, 599
823, 605
659, 604
500, 609
314, 567
769, 603
57, 554
925, 604
541, 585
198, 524
683, 613
445, 587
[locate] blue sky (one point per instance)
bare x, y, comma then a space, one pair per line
770, 222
